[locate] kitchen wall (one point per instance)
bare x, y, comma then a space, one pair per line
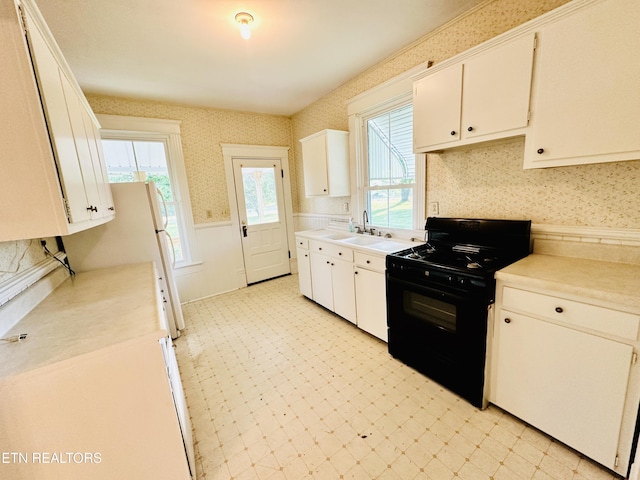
484, 181
487, 181
22, 262
203, 130
482, 23
17, 256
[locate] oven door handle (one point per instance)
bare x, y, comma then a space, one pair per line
429, 290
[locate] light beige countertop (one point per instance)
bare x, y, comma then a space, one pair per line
88, 312
363, 242
609, 282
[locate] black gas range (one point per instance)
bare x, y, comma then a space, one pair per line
439, 295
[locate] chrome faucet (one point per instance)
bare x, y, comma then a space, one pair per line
365, 219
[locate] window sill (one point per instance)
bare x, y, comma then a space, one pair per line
186, 268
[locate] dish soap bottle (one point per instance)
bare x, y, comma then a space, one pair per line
351, 227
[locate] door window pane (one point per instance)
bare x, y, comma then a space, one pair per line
260, 195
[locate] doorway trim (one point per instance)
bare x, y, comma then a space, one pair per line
231, 151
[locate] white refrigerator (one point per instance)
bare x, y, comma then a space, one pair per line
136, 234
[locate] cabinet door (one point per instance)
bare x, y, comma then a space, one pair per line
586, 94
50, 83
314, 159
321, 280
371, 302
497, 86
180, 402
436, 108
304, 273
76, 114
569, 384
344, 294
106, 207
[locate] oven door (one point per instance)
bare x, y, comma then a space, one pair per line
439, 331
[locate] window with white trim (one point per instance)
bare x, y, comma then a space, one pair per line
139, 149
146, 160
390, 180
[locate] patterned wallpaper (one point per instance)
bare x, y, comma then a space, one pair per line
203, 130
489, 181
482, 23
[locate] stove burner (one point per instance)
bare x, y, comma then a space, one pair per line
473, 263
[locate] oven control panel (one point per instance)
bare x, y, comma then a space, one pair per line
435, 277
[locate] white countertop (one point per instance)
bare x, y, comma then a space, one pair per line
377, 245
610, 282
88, 312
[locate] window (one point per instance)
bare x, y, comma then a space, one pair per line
139, 161
390, 168
390, 179
139, 149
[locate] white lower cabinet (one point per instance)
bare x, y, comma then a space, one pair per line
346, 281
576, 381
332, 278
371, 295
344, 292
304, 267
321, 280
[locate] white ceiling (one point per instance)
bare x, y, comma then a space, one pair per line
191, 52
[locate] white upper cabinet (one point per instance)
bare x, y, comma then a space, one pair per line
54, 180
325, 157
586, 97
483, 97
437, 101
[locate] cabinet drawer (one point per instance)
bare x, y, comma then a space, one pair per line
372, 262
302, 243
336, 251
613, 322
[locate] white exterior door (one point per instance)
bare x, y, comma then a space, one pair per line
260, 200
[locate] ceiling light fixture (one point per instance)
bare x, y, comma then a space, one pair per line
244, 19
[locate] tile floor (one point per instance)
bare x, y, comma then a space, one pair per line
279, 388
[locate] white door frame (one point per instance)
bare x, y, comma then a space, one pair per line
231, 151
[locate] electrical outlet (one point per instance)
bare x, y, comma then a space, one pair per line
345, 207
434, 208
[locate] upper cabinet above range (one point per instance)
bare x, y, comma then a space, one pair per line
483, 97
325, 158
54, 179
567, 81
586, 96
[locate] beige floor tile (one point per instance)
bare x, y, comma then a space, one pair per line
279, 388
